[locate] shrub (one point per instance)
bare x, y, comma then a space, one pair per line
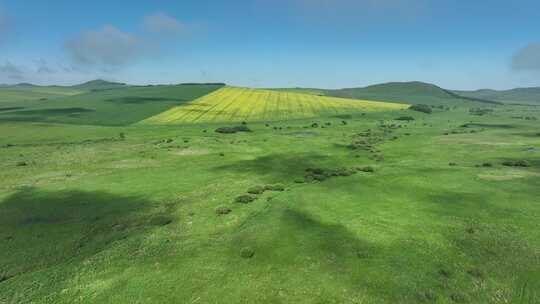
405, 118
421, 108
244, 199
276, 187
232, 130
487, 165
256, 190
247, 252
517, 163
314, 125
367, 169
22, 164
122, 135
522, 163
343, 122
222, 210
452, 164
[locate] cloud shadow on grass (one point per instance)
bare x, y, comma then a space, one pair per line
42, 229
279, 166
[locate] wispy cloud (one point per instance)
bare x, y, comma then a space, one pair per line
11, 71
43, 67
527, 58
161, 23
106, 48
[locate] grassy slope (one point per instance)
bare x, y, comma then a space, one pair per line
119, 106
14, 94
86, 220
401, 92
516, 96
242, 104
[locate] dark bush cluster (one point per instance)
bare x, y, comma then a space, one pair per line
247, 252
245, 199
275, 187
405, 118
517, 163
480, 111
320, 174
232, 130
256, 190
223, 210
421, 108
22, 164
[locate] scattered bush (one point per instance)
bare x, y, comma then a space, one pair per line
517, 163
421, 108
452, 164
487, 165
367, 169
256, 190
247, 252
405, 118
314, 125
222, 210
244, 199
480, 111
343, 122
122, 135
232, 130
276, 187
22, 164
318, 174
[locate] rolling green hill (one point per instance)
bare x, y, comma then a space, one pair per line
98, 84
402, 92
414, 92
112, 106
515, 96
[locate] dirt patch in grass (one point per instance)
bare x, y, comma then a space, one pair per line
190, 151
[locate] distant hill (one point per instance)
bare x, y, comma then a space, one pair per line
98, 84
515, 96
414, 92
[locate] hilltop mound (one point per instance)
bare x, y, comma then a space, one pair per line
403, 92
99, 84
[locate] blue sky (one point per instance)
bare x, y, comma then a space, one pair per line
273, 43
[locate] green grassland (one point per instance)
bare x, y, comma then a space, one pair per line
108, 105
127, 214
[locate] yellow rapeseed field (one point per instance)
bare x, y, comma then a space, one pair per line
242, 104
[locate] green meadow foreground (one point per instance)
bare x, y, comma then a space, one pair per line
392, 206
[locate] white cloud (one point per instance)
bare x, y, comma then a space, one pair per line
106, 48
161, 23
527, 58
